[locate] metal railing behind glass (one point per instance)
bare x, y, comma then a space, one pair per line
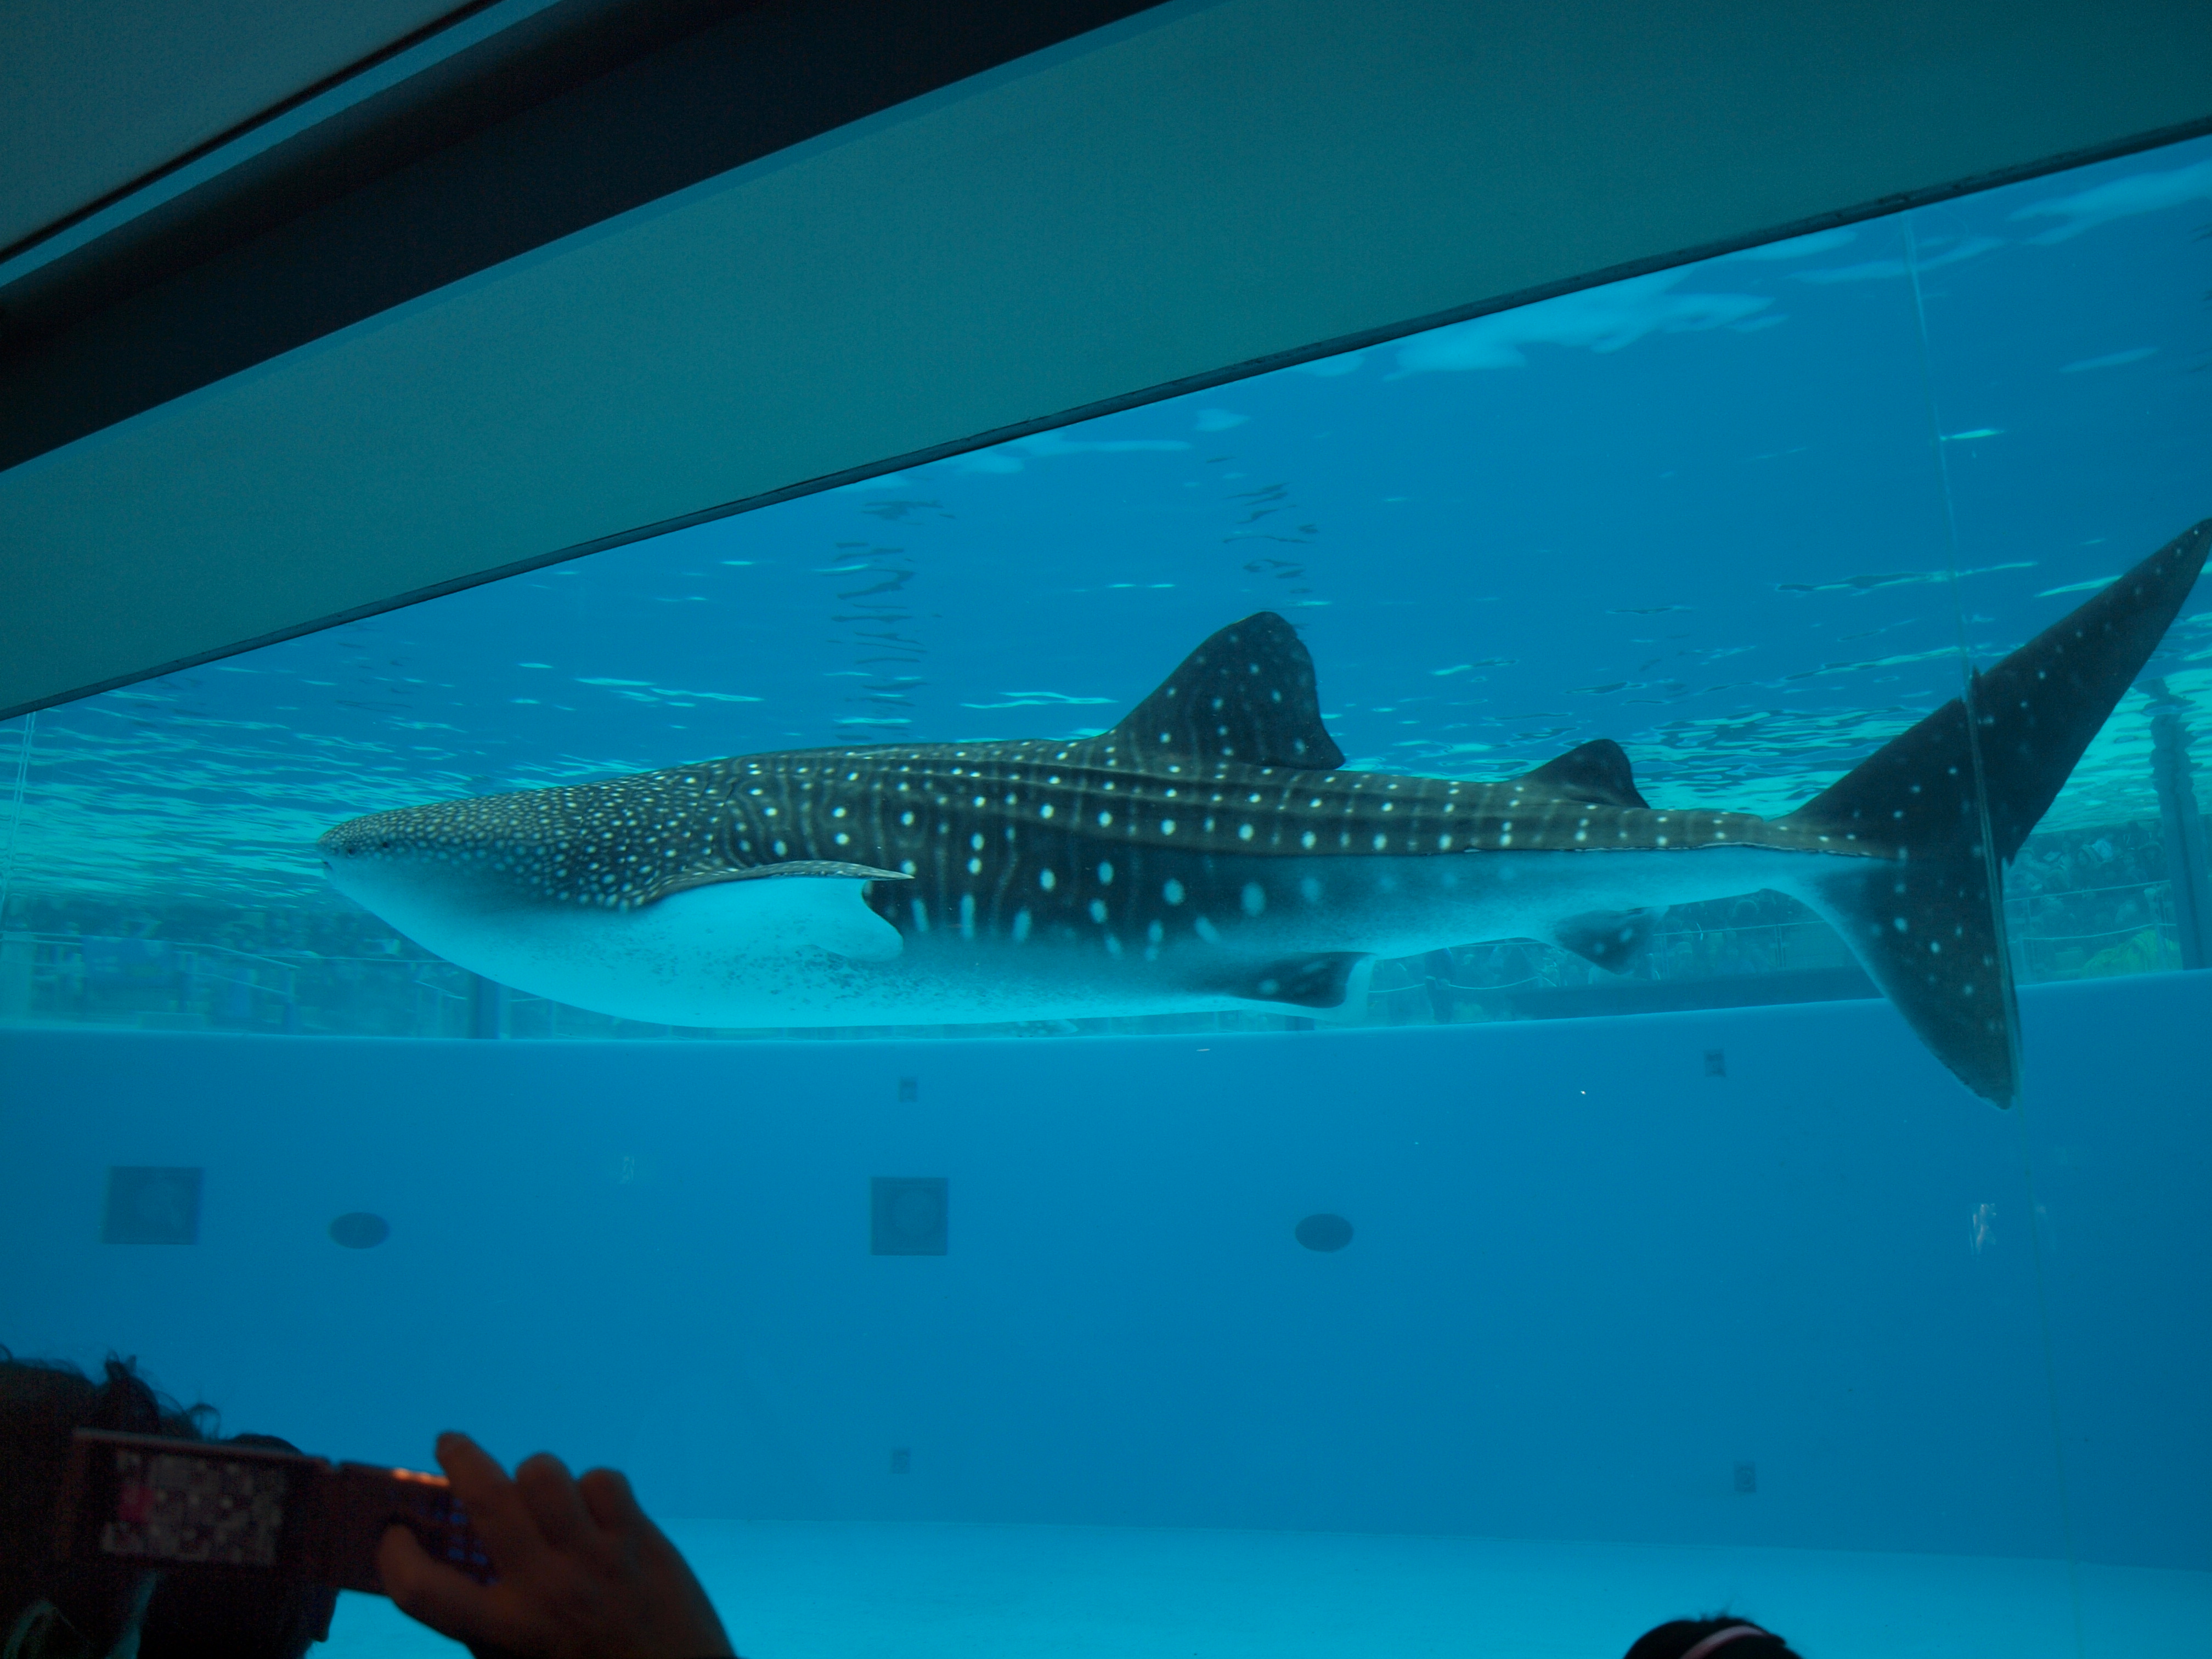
2084, 903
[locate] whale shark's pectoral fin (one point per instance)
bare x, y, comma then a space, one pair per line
1616, 940
1321, 981
707, 875
811, 902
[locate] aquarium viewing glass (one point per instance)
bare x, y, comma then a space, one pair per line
1671, 1275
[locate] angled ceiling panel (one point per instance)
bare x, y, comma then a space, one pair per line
94, 93
1194, 191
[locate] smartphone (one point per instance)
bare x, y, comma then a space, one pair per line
182, 1505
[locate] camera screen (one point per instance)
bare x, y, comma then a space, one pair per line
169, 1507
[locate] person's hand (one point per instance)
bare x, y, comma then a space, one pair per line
583, 1573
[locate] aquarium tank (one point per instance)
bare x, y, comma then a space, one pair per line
1309, 1018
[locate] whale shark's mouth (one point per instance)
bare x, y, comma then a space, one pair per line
1208, 851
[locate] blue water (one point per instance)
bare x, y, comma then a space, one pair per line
1618, 1334
1712, 513
1590, 1283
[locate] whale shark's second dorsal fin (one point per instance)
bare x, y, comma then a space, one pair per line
1246, 695
1597, 772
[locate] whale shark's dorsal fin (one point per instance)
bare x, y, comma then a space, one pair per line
1597, 772
1246, 695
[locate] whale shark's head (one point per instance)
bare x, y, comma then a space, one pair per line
612, 896
453, 855
613, 846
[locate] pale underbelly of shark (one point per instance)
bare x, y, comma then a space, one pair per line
809, 950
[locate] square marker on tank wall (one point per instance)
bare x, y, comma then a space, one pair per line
906, 1215
151, 1205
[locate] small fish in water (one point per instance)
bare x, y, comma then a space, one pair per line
1210, 853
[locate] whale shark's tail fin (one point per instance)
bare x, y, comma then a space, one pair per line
2034, 713
1923, 914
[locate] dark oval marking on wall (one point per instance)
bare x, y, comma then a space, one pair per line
1324, 1232
359, 1230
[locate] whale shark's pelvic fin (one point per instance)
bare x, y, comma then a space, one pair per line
1923, 915
1247, 694
1318, 982
1615, 941
1597, 772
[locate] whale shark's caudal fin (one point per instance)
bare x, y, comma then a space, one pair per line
1922, 916
1247, 694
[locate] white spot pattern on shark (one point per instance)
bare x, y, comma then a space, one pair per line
890, 884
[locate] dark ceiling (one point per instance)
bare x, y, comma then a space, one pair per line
561, 116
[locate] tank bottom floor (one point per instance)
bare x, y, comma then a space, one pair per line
959, 1591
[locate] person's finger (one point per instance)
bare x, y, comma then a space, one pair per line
548, 1488
683, 1615
608, 1497
495, 1509
430, 1591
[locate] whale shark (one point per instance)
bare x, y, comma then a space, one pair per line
1211, 852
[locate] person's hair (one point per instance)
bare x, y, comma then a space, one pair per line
42, 1403
238, 1614
1678, 1635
